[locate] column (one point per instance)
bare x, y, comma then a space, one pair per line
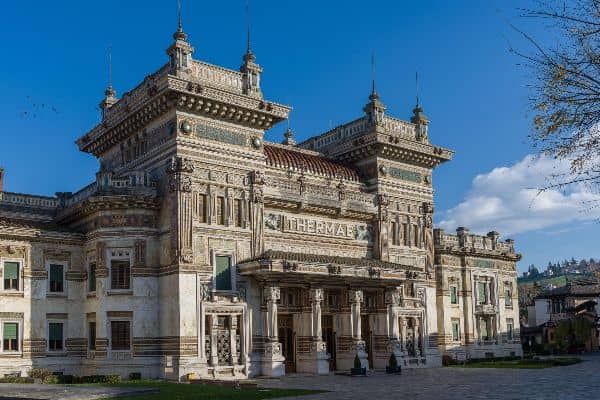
403, 326
318, 359
272, 360
214, 358
233, 321
356, 298
417, 336
392, 300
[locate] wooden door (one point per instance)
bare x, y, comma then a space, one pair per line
287, 340
329, 339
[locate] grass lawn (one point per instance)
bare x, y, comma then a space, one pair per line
521, 364
182, 391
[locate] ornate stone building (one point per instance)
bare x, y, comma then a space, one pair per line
201, 248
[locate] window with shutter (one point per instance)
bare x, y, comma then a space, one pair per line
120, 274
56, 278
455, 332
238, 212
92, 336
221, 210
453, 295
481, 295
55, 336
92, 278
11, 275
223, 273
10, 336
120, 335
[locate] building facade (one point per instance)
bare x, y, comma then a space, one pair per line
201, 248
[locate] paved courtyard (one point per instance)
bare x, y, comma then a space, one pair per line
580, 381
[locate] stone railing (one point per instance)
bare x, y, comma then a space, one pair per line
485, 309
397, 127
217, 76
28, 200
81, 195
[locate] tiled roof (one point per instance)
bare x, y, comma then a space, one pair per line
311, 162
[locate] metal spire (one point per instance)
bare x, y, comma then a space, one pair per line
179, 24
417, 86
374, 95
249, 57
110, 92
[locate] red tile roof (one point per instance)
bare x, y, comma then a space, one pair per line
311, 162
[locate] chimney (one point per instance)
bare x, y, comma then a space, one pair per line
1, 179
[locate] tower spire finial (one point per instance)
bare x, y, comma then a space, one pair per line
110, 92
248, 25
417, 86
374, 95
179, 24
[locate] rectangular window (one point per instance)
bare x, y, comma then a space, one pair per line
120, 335
394, 234
92, 335
481, 293
221, 210
223, 273
509, 329
483, 329
201, 208
11, 275
56, 278
55, 336
92, 278
120, 276
10, 336
453, 295
455, 331
238, 212
508, 298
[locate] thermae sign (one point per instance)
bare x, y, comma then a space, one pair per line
318, 227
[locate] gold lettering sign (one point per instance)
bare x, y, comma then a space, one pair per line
311, 226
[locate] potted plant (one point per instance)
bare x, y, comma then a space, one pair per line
393, 367
358, 369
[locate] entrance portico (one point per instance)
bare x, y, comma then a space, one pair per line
366, 316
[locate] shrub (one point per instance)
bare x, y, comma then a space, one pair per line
50, 379
113, 379
16, 379
39, 373
393, 362
357, 363
135, 376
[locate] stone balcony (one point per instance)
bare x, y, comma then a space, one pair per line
486, 309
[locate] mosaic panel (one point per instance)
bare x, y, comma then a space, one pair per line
221, 135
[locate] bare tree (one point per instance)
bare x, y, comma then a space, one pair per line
566, 87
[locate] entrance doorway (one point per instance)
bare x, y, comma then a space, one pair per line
329, 339
287, 340
367, 336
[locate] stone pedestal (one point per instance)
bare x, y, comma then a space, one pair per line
345, 360
315, 362
273, 362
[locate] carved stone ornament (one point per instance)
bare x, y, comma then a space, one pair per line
393, 297
316, 295
271, 293
186, 127
383, 200
180, 183
257, 178
180, 164
272, 349
355, 296
341, 190
205, 292
257, 195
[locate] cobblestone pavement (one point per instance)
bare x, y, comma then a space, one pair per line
575, 382
14, 391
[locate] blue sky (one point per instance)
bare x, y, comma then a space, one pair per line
317, 58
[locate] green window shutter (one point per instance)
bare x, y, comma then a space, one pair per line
10, 331
481, 287
55, 331
11, 270
56, 273
454, 331
223, 272
453, 295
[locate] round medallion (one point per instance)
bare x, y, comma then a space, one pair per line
383, 169
186, 127
256, 142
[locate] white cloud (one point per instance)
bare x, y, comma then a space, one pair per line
507, 200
